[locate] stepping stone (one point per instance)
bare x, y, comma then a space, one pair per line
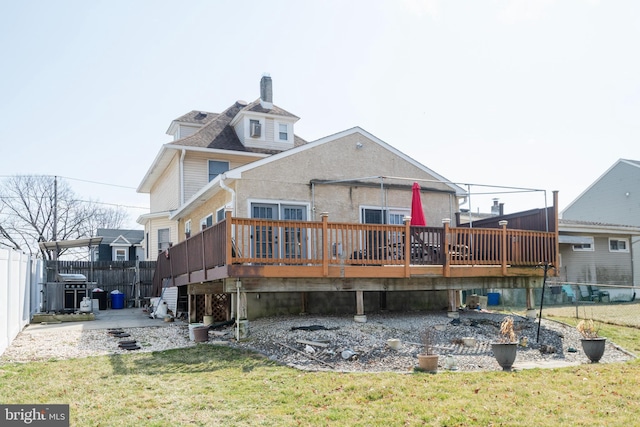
122, 335
135, 347
127, 342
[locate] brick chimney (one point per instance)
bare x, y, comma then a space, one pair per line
266, 92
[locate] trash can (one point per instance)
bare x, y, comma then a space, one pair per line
101, 296
117, 301
493, 298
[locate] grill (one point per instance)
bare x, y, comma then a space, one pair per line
75, 288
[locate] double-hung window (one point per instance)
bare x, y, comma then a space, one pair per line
216, 167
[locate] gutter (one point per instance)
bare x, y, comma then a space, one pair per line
182, 154
233, 193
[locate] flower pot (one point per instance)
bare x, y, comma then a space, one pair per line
428, 362
505, 354
594, 348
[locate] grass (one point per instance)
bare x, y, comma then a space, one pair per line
208, 385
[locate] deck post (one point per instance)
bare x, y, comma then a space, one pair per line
229, 242
531, 309
503, 252
444, 248
453, 308
360, 317
407, 246
325, 243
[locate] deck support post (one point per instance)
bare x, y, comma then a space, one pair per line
452, 310
242, 322
193, 304
360, 317
531, 309
304, 302
325, 243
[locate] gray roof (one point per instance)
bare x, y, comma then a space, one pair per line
197, 117
109, 235
217, 133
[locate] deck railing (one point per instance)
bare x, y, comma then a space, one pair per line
249, 241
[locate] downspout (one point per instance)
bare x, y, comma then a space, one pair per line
233, 193
182, 154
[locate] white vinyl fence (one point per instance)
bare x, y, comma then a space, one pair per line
19, 293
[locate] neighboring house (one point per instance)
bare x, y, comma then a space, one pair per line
591, 253
239, 172
597, 254
613, 199
119, 245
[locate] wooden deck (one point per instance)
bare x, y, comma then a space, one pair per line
273, 256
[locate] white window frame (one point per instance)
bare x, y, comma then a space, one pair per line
209, 168
247, 128
279, 132
204, 222
219, 215
163, 245
618, 240
187, 228
583, 247
117, 249
387, 212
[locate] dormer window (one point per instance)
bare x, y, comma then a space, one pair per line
283, 132
255, 128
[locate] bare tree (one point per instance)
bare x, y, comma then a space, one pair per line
29, 203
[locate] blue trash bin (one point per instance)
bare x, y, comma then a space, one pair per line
117, 301
493, 298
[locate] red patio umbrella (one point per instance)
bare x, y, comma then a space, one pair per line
417, 214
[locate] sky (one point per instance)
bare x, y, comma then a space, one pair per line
540, 94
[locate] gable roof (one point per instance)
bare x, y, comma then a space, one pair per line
215, 185
634, 163
118, 236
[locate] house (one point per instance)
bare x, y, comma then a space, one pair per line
245, 210
590, 253
119, 245
597, 255
613, 198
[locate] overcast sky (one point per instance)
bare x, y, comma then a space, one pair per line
539, 94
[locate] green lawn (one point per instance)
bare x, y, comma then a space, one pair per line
208, 385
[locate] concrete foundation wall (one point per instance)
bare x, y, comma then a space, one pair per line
285, 303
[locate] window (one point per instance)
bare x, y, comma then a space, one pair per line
283, 133
586, 247
164, 239
206, 221
618, 245
219, 215
217, 167
379, 216
254, 128
187, 229
120, 254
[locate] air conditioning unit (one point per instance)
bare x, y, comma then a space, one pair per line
255, 130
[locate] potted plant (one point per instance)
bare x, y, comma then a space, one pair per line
427, 360
592, 344
505, 350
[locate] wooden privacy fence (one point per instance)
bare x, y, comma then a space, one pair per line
108, 275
